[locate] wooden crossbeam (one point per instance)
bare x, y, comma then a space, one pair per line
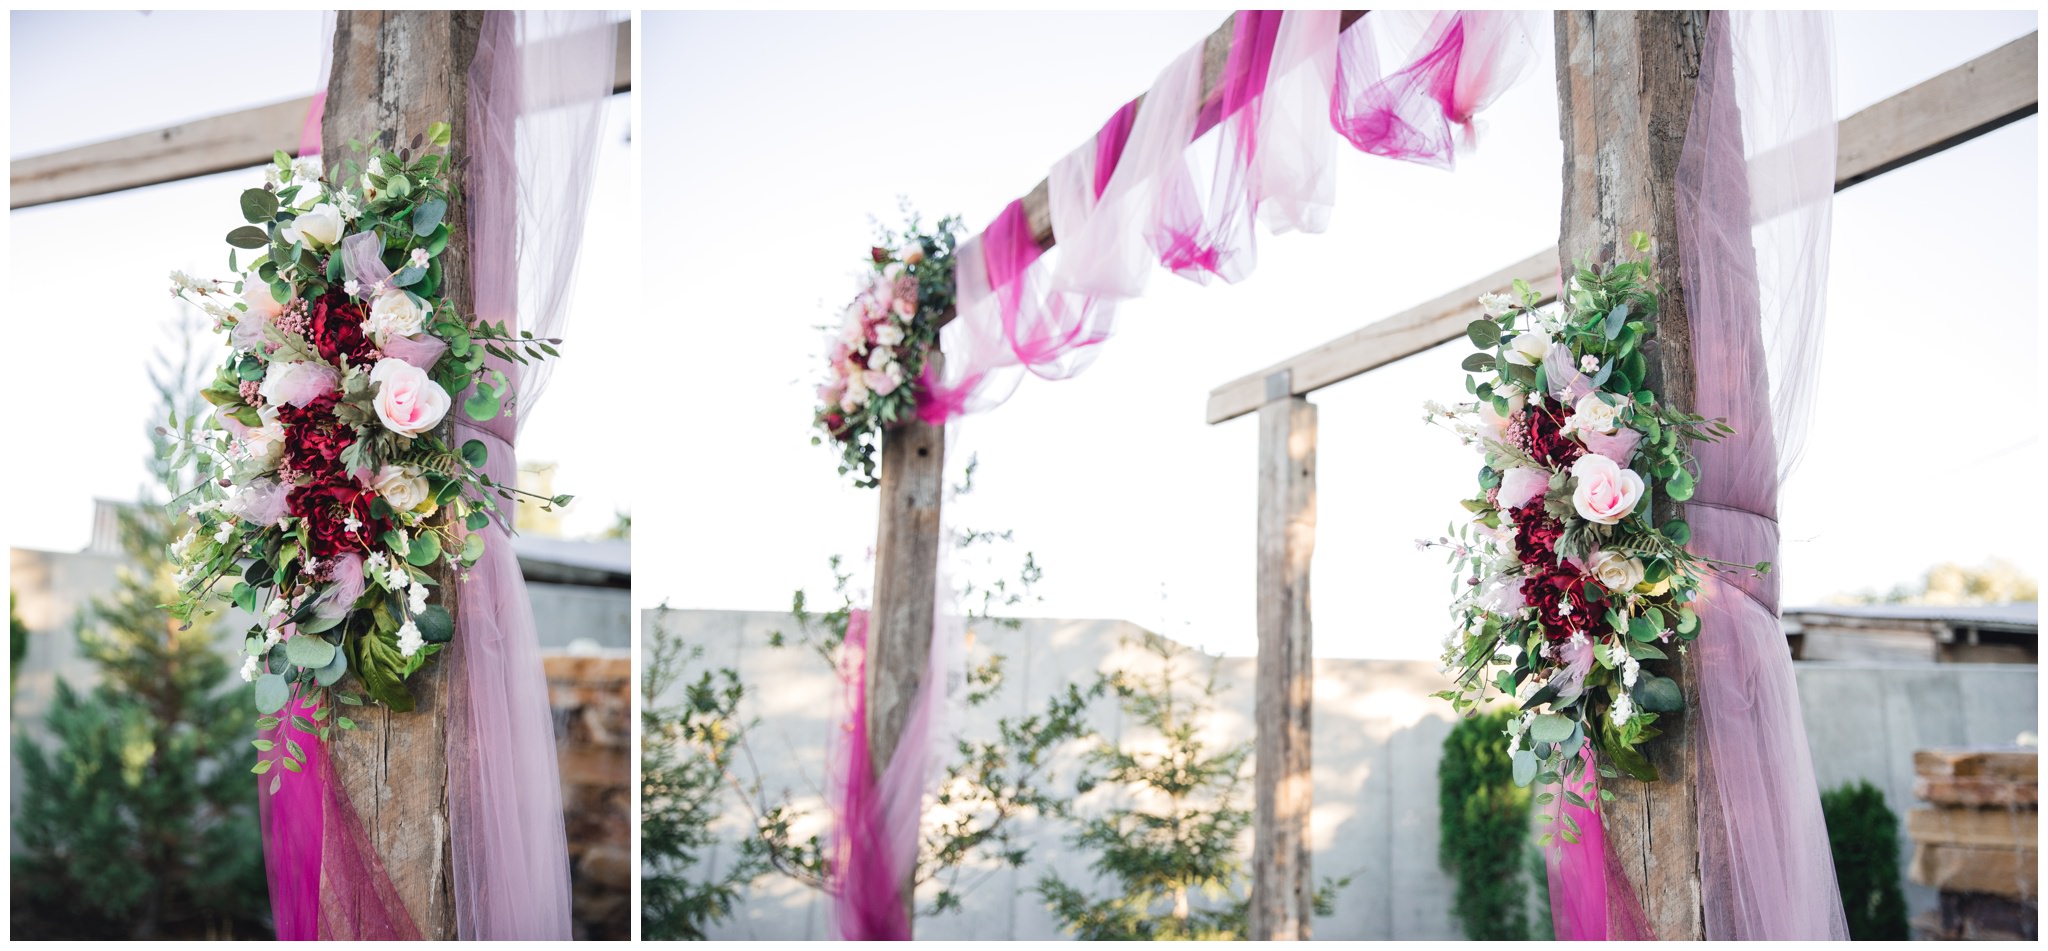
220, 143
1991, 91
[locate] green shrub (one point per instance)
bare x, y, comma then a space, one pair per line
1864, 835
1484, 825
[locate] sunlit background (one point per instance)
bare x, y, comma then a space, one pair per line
757, 217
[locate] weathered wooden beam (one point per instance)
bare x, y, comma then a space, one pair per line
1282, 894
1989, 92
1625, 87
1405, 334
906, 585
1984, 94
188, 150
395, 768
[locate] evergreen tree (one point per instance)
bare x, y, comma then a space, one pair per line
138, 819
1863, 833
1171, 856
1483, 823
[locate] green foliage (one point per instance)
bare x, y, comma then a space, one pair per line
1864, 835
135, 818
1483, 822
17, 643
1170, 852
684, 750
1997, 581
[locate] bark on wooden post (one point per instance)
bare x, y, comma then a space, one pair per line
1282, 896
1625, 85
400, 72
906, 584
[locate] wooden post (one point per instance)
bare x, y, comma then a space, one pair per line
1624, 86
906, 585
1283, 896
401, 71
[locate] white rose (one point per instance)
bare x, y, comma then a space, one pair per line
1618, 572
880, 358
1593, 413
402, 489
912, 253
319, 228
888, 334
1528, 348
1607, 493
394, 313
408, 401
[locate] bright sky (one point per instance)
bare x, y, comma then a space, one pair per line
122, 73
775, 136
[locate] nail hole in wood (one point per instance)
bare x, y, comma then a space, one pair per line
923, 452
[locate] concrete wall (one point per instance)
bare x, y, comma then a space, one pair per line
1378, 736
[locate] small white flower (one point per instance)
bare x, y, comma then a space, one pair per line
1623, 708
420, 257
417, 597
1589, 364
1629, 668
351, 524
312, 566
272, 636
227, 531
1496, 304
375, 561
275, 607
250, 669
397, 578
351, 286
409, 639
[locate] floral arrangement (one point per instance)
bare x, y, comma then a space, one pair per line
876, 357
333, 490
1567, 581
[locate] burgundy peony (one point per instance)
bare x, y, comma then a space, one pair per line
314, 438
326, 506
1536, 535
1544, 441
1549, 589
335, 326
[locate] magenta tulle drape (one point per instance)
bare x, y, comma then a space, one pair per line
1755, 188
537, 90
1181, 182
1590, 898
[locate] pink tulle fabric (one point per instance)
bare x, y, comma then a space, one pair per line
1181, 182
314, 843
537, 90
1755, 189
1590, 898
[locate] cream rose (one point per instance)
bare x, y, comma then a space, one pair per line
407, 401
394, 313
1607, 493
404, 490
1528, 348
1522, 485
1592, 414
319, 227
1618, 572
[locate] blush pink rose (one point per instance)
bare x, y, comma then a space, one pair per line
407, 401
1618, 445
882, 383
298, 383
1521, 485
1607, 493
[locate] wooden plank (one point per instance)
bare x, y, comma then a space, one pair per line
2016, 765
395, 769
188, 150
2013, 873
1996, 828
1282, 893
1625, 86
906, 585
1984, 94
1977, 792
1405, 334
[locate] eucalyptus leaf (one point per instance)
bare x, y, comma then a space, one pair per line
1525, 767
1478, 362
259, 206
1659, 694
248, 236
1551, 728
425, 549
428, 216
271, 693
309, 651
1484, 334
436, 627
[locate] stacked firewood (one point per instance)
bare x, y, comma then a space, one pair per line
1975, 842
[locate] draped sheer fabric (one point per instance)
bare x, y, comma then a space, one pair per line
1754, 192
538, 86
1182, 182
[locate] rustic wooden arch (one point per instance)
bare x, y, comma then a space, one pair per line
1625, 82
